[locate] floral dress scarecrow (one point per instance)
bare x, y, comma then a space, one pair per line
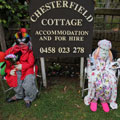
102, 81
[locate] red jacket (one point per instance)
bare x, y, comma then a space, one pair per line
27, 61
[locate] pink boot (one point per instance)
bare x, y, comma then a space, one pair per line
105, 107
93, 106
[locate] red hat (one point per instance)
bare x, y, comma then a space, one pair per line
23, 30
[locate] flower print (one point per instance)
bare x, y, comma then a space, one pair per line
99, 82
111, 101
93, 73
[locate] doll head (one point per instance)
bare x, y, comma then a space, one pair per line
104, 49
22, 37
105, 44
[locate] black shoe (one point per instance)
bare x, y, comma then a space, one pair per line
12, 100
28, 105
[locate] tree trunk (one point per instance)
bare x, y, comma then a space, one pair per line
2, 39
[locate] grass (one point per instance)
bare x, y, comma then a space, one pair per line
60, 101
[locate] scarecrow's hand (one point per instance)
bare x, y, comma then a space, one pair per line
12, 72
18, 67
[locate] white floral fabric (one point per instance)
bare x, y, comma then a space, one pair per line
102, 81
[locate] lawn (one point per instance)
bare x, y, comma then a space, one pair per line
60, 101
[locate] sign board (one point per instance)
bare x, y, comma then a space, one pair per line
61, 28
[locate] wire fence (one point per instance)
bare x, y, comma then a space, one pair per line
107, 3
109, 19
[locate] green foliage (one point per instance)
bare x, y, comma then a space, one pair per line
11, 12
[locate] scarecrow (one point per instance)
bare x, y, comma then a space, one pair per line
102, 81
20, 72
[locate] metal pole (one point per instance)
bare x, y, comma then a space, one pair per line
81, 71
43, 72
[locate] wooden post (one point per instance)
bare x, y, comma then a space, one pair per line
81, 71
2, 39
43, 72
107, 5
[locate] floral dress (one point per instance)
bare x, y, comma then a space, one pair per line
102, 82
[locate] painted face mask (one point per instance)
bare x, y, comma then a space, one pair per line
22, 37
